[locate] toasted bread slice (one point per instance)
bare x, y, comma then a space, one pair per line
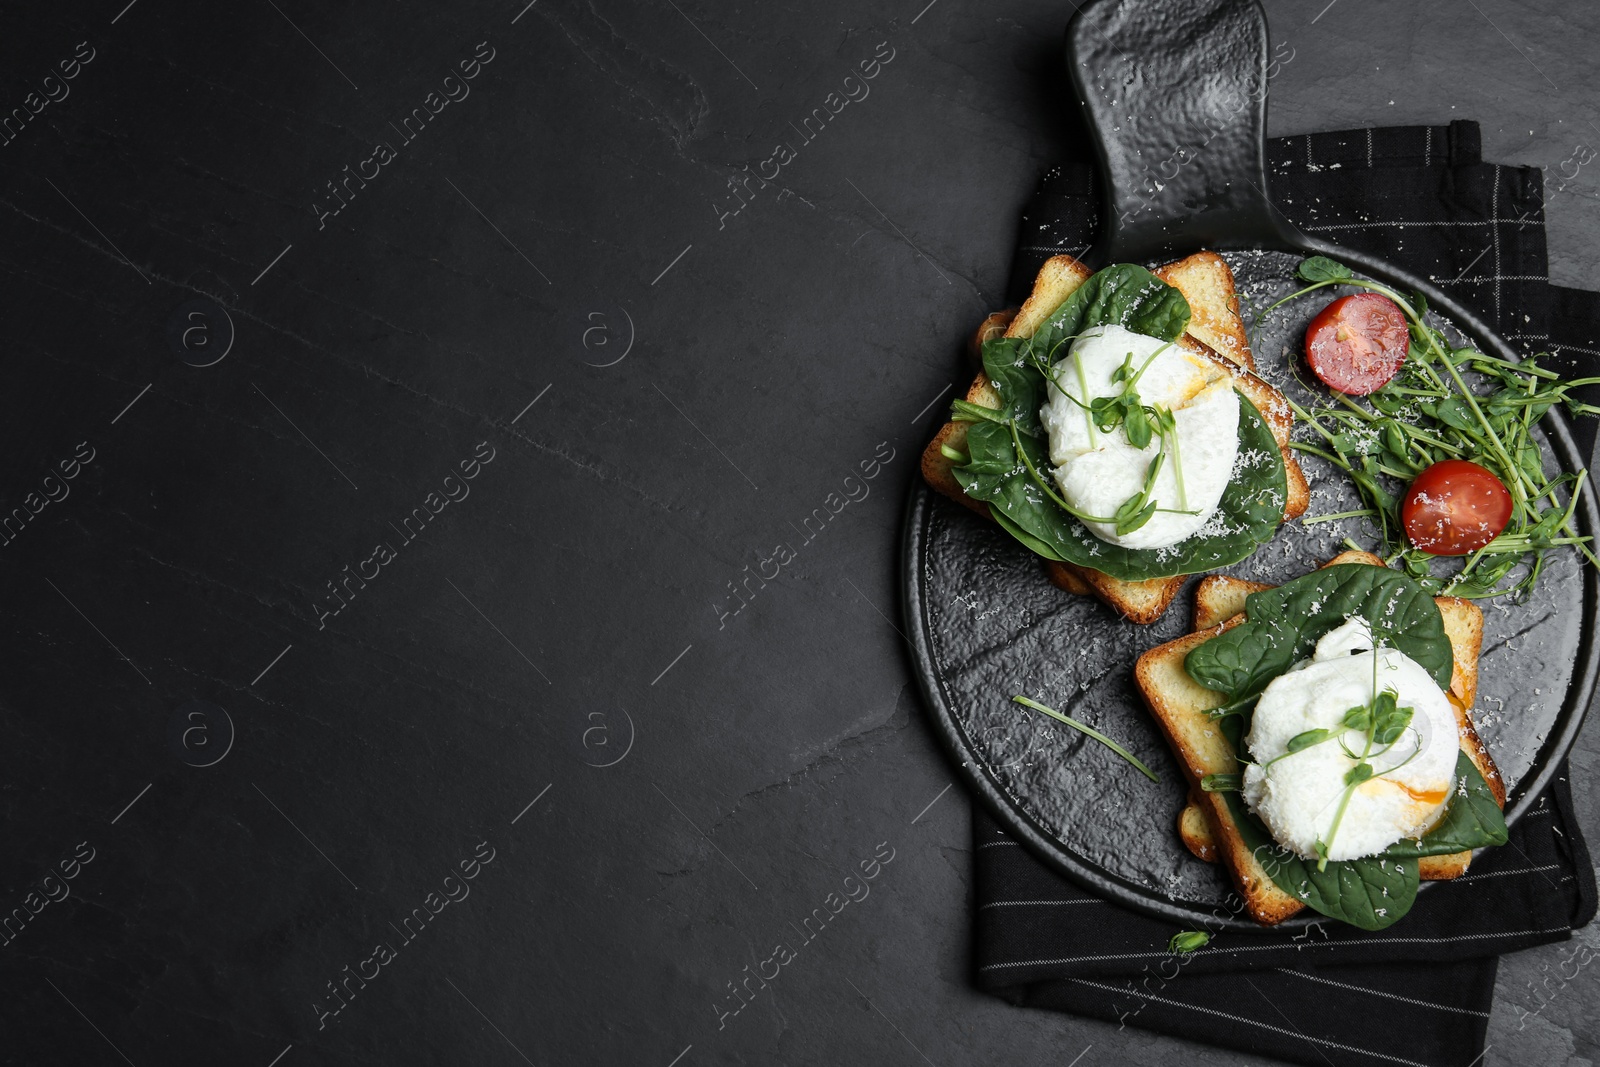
1219, 597
1179, 705
936, 467
1058, 279
1205, 281
1140, 602
994, 325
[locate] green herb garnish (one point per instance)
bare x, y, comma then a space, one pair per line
1167, 423
1091, 732
1126, 411
1430, 412
1083, 387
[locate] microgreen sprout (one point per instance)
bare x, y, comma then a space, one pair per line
1430, 412
1091, 732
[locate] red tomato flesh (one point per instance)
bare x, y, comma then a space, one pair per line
1455, 507
1357, 343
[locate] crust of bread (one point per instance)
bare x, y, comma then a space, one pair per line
1066, 576
1058, 279
993, 325
1196, 832
1140, 602
936, 467
1205, 281
1179, 704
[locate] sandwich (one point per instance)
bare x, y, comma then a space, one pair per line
1324, 730
1118, 430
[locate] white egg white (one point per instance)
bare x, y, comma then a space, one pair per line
1298, 795
1097, 471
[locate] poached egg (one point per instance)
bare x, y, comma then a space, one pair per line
1299, 793
1097, 471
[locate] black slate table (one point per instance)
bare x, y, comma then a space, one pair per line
454, 458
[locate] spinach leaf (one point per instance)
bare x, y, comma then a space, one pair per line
1323, 269
1032, 543
991, 461
1369, 893
1015, 377
1282, 627
1122, 294
1248, 514
1472, 820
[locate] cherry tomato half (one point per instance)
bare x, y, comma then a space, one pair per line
1357, 343
1455, 507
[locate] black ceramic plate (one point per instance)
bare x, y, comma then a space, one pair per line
984, 622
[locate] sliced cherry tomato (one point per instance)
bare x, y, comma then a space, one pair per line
1455, 507
1357, 343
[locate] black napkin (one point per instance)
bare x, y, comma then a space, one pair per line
1418, 993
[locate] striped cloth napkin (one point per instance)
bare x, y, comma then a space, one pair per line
1418, 993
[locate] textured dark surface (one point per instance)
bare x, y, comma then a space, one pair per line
521, 639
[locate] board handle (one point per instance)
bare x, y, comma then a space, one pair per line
1175, 96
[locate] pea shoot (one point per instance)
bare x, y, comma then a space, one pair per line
1430, 412
1090, 732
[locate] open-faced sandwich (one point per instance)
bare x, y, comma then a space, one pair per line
1323, 727
1117, 430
